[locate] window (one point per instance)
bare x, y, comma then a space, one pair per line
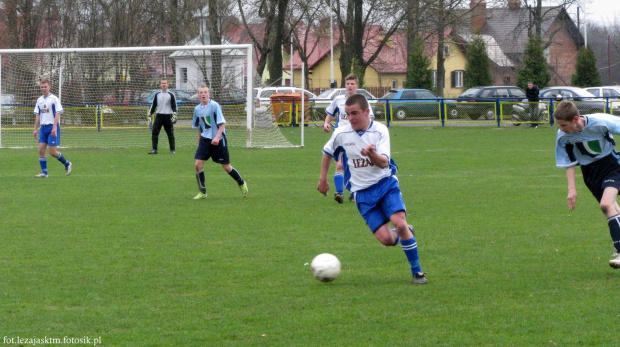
457, 79
183, 75
446, 50
408, 94
394, 84
434, 77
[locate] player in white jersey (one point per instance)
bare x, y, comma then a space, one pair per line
364, 147
588, 141
47, 128
336, 109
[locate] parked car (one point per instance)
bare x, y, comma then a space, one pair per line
483, 94
262, 99
611, 94
585, 101
182, 96
412, 103
121, 97
226, 97
323, 100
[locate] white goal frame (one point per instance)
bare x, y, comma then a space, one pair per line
249, 77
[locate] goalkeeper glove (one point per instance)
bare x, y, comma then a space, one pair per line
174, 118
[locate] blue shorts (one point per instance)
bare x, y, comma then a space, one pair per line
219, 154
378, 202
45, 135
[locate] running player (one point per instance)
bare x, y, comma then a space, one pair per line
366, 146
209, 120
587, 141
47, 128
336, 110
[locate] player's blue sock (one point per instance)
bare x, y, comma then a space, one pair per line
614, 230
43, 163
410, 247
62, 159
235, 175
339, 182
397, 237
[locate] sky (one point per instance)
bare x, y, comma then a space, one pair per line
602, 11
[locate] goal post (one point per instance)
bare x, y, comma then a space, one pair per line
106, 92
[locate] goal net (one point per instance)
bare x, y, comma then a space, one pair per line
106, 93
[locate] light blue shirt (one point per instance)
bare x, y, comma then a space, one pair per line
208, 118
592, 143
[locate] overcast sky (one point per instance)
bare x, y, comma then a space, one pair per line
602, 11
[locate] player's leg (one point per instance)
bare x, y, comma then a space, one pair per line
339, 182
200, 179
53, 150
157, 124
409, 245
169, 128
234, 174
609, 207
42, 160
202, 154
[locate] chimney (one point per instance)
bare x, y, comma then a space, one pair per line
478, 15
514, 4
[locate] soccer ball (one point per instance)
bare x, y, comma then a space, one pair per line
325, 267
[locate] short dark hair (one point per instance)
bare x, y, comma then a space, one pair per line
565, 110
357, 99
352, 76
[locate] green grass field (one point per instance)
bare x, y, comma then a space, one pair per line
120, 250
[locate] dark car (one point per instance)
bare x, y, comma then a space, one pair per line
487, 95
409, 103
226, 97
585, 101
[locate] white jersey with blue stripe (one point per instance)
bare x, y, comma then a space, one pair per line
208, 118
47, 107
592, 143
336, 110
360, 172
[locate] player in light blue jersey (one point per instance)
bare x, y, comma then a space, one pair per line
47, 128
336, 109
364, 147
588, 141
210, 122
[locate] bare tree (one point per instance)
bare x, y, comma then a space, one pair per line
358, 23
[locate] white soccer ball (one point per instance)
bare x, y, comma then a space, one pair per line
325, 267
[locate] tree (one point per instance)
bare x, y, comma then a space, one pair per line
418, 67
586, 74
361, 36
535, 65
478, 67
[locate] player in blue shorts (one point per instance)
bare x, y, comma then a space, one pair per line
587, 141
47, 128
364, 146
212, 143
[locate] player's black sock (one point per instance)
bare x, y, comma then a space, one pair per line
614, 230
200, 179
235, 175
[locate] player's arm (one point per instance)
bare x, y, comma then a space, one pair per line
56, 121
572, 190
216, 139
327, 125
375, 157
37, 121
323, 185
